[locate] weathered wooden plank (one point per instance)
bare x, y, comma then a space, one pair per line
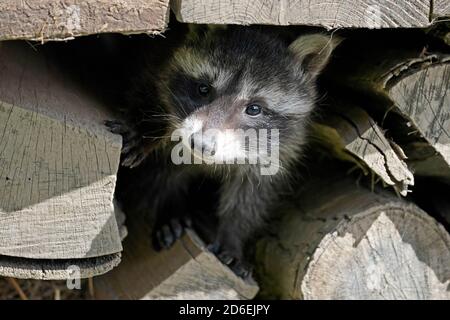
330, 14
441, 8
58, 163
424, 98
405, 87
340, 241
185, 271
350, 134
45, 20
57, 269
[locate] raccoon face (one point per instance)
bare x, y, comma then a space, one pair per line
226, 85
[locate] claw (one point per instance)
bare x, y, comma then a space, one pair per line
129, 145
225, 257
241, 270
115, 126
138, 160
132, 149
176, 227
213, 248
165, 236
129, 159
187, 221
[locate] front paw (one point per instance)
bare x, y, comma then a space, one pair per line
133, 152
166, 234
232, 258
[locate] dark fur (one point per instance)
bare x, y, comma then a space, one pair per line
282, 79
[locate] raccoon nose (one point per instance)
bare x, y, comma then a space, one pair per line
205, 143
209, 147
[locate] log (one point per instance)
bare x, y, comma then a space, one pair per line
406, 89
348, 133
441, 8
341, 241
329, 14
58, 166
45, 20
185, 271
424, 99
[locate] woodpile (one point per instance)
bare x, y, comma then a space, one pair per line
185, 271
58, 168
363, 229
345, 242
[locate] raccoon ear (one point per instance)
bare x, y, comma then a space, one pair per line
313, 51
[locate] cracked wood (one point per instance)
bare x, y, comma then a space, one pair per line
45, 20
58, 165
330, 14
350, 134
341, 241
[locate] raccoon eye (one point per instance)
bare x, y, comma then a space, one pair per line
253, 110
204, 89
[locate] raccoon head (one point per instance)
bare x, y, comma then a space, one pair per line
225, 82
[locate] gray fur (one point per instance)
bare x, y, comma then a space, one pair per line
242, 65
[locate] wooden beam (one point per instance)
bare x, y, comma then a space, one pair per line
341, 241
441, 8
185, 271
57, 269
405, 88
330, 14
423, 98
58, 163
45, 20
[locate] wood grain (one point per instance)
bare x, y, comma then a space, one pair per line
185, 271
58, 163
345, 242
441, 8
424, 98
350, 134
56, 269
45, 20
330, 14
406, 89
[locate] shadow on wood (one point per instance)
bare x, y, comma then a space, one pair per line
185, 271
58, 166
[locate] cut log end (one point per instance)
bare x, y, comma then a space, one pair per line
46, 20
353, 244
388, 253
185, 271
58, 170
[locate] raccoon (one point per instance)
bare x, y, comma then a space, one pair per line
222, 80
